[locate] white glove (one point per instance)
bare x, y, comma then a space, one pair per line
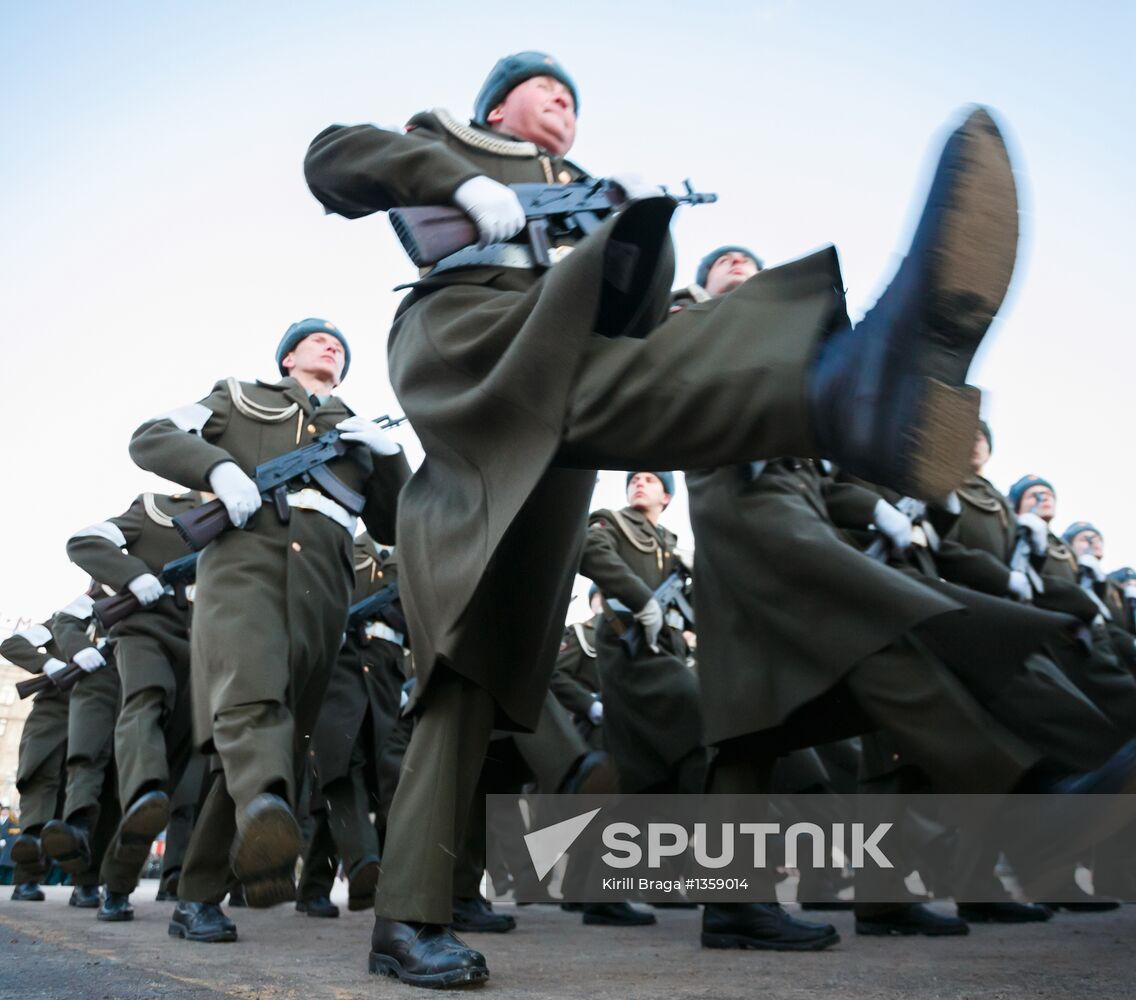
595, 712
893, 525
493, 207
147, 588
364, 431
52, 666
1039, 532
1019, 586
236, 491
952, 504
403, 699
90, 659
635, 187
1130, 590
650, 616
1092, 564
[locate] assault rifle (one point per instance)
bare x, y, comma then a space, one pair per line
380, 605
670, 593
306, 465
430, 233
175, 576
64, 680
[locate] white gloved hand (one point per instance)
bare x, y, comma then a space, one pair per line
1130, 590
90, 659
650, 616
147, 588
52, 666
1039, 532
952, 504
363, 431
236, 491
635, 187
1019, 586
893, 525
1092, 564
595, 712
494, 208
403, 699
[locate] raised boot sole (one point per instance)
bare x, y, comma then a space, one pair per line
65, 849
943, 438
384, 965
264, 858
138, 829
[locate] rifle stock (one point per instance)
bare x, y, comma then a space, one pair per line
33, 685
429, 233
201, 525
64, 680
111, 610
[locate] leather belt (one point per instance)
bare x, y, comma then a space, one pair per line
496, 255
377, 630
310, 499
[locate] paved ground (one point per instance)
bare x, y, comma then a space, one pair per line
51, 950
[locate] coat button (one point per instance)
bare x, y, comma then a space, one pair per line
564, 177
895, 756
366, 669
296, 546
311, 428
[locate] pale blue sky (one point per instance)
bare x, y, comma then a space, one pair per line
156, 232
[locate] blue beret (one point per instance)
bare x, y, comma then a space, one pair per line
707, 262
515, 69
1123, 575
298, 331
1023, 484
667, 479
1077, 527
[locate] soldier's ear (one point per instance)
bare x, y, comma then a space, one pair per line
496, 116
288, 362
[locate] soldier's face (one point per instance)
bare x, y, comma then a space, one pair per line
981, 452
1041, 501
541, 110
318, 354
1088, 541
646, 493
729, 271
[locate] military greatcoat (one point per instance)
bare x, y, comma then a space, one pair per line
511, 391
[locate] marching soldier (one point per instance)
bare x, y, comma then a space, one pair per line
653, 722
152, 738
81, 841
360, 708
575, 679
43, 752
495, 361
270, 606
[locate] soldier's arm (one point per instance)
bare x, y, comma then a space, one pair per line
972, 568
602, 564
383, 485
849, 504
354, 170
565, 683
178, 445
71, 626
28, 648
98, 549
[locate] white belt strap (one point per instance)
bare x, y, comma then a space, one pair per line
377, 630
314, 500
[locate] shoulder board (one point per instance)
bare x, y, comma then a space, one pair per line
258, 411
479, 139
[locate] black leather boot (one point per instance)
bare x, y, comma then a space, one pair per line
205, 922
116, 907
141, 823
85, 897
361, 881
887, 398
317, 906
264, 852
910, 918
477, 915
423, 955
27, 892
762, 926
620, 914
68, 845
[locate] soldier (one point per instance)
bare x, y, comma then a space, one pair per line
1122, 596
653, 722
152, 735
270, 606
517, 402
360, 708
81, 841
43, 752
575, 679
